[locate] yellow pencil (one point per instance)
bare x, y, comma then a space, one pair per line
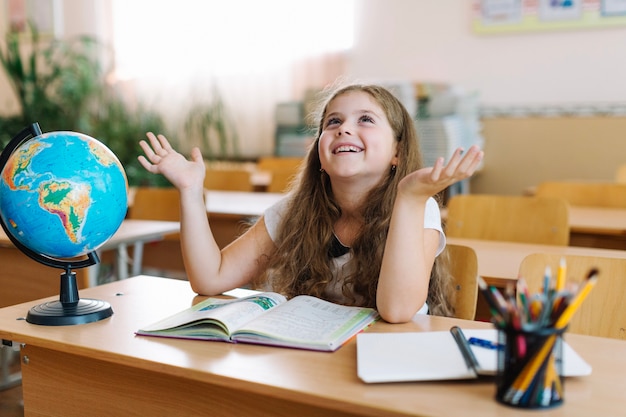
549, 379
523, 380
571, 308
560, 275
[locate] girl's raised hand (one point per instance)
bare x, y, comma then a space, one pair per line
429, 181
161, 158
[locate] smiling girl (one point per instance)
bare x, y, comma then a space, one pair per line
360, 225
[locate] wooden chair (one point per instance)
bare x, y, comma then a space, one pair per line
508, 218
620, 174
280, 181
603, 312
279, 163
228, 180
155, 203
579, 193
282, 169
464, 270
159, 203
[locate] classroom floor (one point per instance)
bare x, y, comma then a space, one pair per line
11, 399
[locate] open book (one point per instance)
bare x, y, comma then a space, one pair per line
432, 356
267, 318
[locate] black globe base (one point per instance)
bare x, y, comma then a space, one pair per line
70, 309
56, 313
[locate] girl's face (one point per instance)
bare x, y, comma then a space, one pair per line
357, 141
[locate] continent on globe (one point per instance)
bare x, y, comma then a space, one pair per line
63, 194
69, 202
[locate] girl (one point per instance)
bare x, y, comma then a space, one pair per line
359, 227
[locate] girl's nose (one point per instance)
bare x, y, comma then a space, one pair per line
344, 130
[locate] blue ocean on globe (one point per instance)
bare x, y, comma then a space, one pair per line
63, 194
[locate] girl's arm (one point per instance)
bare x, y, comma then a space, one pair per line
409, 256
209, 269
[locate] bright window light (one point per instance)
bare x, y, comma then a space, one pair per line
188, 38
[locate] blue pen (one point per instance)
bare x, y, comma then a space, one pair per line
487, 344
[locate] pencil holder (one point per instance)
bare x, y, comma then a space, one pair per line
529, 367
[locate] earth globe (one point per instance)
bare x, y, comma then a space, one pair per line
62, 196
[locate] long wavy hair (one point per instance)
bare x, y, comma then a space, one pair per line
301, 263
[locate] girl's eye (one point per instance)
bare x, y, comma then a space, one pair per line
366, 118
332, 121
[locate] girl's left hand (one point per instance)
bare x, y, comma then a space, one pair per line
431, 180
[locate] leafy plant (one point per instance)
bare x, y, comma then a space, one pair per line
211, 123
61, 85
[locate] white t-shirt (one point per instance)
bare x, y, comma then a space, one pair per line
432, 220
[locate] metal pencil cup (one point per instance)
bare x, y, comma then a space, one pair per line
530, 368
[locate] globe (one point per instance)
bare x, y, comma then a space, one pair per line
63, 194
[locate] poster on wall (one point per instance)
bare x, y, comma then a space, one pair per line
502, 16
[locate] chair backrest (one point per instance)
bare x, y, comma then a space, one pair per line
279, 163
620, 174
280, 181
509, 218
464, 270
603, 312
228, 180
581, 193
282, 169
155, 203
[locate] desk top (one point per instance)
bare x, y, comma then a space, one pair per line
499, 261
239, 203
597, 220
592, 220
297, 375
130, 231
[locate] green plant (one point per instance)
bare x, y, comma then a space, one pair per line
61, 85
211, 123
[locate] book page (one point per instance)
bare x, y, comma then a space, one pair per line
307, 322
399, 357
227, 314
433, 356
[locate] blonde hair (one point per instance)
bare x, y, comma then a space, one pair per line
302, 264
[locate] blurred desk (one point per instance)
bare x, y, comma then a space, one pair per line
102, 368
232, 212
239, 203
499, 262
134, 233
597, 227
24, 279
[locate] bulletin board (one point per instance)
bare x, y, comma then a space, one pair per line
502, 16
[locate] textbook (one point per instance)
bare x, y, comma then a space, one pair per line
433, 356
267, 318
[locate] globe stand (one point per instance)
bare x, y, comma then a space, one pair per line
69, 309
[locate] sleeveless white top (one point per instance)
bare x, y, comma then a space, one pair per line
340, 267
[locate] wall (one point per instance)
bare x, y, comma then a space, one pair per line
425, 40
522, 152
432, 41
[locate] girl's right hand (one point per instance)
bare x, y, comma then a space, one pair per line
161, 158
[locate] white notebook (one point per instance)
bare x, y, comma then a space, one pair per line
432, 356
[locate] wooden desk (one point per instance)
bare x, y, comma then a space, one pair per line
23, 279
239, 203
593, 227
499, 262
102, 368
598, 227
231, 212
